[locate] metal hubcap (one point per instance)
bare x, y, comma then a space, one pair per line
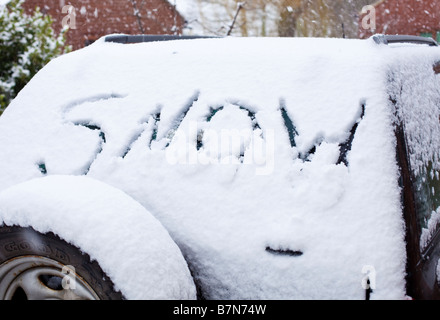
41, 278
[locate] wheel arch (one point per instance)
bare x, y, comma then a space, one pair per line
130, 245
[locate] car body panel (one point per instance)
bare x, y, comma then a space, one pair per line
306, 205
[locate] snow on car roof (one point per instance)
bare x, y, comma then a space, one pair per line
271, 162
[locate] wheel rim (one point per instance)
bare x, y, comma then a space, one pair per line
41, 278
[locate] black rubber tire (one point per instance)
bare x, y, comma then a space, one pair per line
15, 242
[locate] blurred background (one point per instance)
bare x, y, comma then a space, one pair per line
256, 18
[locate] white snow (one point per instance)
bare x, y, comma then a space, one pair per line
230, 210
131, 246
437, 271
416, 90
418, 107
431, 227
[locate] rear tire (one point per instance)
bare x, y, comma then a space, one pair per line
36, 266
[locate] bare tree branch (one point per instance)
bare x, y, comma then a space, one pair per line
138, 16
240, 6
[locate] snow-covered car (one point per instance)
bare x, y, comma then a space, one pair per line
225, 168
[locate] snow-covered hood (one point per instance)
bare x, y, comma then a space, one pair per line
271, 162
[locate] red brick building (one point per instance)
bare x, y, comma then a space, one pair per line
92, 19
412, 17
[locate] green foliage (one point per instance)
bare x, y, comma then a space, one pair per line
27, 43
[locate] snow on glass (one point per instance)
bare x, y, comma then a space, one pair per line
311, 222
415, 94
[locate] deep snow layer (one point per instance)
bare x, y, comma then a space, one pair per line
87, 213
270, 162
